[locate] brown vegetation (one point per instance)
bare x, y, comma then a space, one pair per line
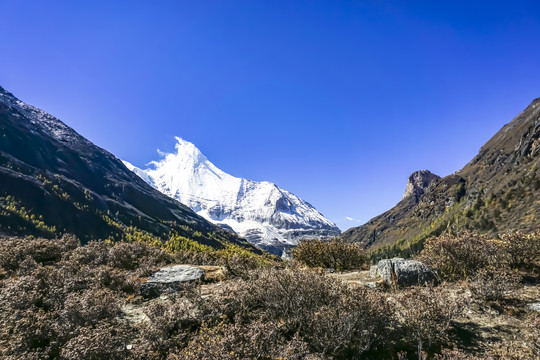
59, 300
334, 254
461, 257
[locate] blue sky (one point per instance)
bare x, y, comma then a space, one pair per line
336, 101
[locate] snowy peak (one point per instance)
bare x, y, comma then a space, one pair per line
188, 174
268, 216
187, 156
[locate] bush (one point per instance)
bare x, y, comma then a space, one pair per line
13, 251
447, 354
334, 254
526, 348
90, 307
522, 249
66, 302
256, 340
459, 257
130, 256
170, 323
240, 266
94, 253
426, 314
104, 342
492, 284
304, 307
462, 257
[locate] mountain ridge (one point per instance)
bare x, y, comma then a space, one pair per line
498, 190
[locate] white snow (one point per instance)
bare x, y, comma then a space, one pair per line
260, 211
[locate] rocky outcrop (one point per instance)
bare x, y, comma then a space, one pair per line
401, 272
171, 279
418, 183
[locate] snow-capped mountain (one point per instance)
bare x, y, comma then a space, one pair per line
266, 215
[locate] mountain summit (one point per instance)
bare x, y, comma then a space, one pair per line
266, 215
418, 183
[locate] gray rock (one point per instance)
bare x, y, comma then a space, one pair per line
534, 306
171, 279
398, 271
373, 271
384, 270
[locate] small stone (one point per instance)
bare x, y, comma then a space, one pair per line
534, 306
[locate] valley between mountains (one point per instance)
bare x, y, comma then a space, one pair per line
100, 259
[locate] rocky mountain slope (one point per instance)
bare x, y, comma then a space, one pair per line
498, 190
268, 216
54, 181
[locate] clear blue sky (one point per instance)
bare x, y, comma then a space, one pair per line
336, 101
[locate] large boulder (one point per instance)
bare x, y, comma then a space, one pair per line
398, 271
171, 279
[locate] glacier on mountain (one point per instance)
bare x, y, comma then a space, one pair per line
266, 215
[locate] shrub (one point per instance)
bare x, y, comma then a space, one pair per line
334, 254
462, 257
196, 258
94, 253
459, 257
90, 307
426, 314
241, 266
13, 251
307, 307
256, 340
491, 284
171, 322
64, 302
522, 249
129, 256
104, 342
456, 354
528, 347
